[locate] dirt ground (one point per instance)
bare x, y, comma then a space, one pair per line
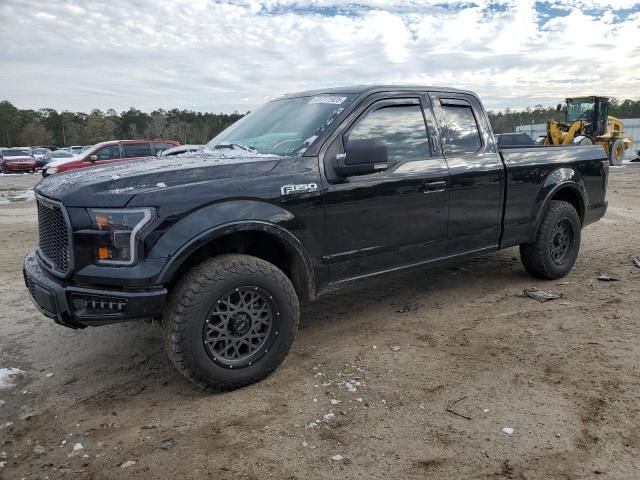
564, 375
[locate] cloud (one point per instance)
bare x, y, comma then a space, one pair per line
215, 55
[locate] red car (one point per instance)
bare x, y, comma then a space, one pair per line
14, 160
106, 153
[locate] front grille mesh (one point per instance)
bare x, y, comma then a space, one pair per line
54, 237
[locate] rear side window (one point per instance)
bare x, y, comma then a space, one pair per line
131, 150
401, 128
108, 153
462, 129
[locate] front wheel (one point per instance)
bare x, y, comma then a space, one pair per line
616, 152
231, 321
555, 250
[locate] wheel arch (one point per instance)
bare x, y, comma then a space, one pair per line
571, 190
261, 239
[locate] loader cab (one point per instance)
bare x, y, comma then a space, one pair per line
592, 110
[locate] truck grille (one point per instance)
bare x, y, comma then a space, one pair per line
55, 236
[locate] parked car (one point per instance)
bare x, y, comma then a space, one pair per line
519, 139
17, 160
39, 154
109, 152
76, 149
180, 150
52, 156
310, 191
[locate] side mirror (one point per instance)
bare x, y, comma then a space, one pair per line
362, 157
93, 158
559, 107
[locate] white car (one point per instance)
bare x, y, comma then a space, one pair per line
180, 149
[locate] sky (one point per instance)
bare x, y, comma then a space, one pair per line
225, 56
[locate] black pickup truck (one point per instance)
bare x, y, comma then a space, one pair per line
309, 191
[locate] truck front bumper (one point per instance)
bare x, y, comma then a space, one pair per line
77, 306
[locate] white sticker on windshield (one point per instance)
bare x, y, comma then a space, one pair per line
328, 99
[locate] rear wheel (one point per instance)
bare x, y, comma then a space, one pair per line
557, 243
231, 321
616, 152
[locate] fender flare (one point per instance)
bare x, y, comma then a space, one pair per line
289, 240
576, 187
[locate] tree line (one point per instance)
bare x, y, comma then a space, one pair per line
47, 126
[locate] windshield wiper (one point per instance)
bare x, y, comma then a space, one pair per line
233, 146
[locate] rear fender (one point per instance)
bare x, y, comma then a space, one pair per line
557, 182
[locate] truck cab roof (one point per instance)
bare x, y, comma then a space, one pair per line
371, 89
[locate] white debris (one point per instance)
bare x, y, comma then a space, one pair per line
2, 402
375, 347
507, 430
350, 387
3, 464
311, 425
49, 375
39, 450
485, 410
359, 399
128, 463
421, 406
305, 443
327, 417
394, 348
77, 446
8, 377
161, 185
337, 458
335, 401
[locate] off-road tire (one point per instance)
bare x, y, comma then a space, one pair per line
537, 256
193, 298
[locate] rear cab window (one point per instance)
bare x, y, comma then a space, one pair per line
132, 150
461, 132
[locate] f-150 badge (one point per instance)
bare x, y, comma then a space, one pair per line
299, 188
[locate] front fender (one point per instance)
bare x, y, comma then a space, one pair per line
216, 220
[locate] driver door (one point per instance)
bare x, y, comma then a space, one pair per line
394, 218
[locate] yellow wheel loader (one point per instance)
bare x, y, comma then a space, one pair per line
588, 122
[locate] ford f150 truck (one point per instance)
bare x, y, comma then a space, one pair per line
309, 191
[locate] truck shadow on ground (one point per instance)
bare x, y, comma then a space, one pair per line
136, 362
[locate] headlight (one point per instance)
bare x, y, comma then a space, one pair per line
124, 226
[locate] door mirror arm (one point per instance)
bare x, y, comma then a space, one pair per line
361, 157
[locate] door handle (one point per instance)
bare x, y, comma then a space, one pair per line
434, 187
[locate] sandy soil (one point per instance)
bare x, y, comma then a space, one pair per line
564, 375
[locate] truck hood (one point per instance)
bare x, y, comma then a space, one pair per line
115, 185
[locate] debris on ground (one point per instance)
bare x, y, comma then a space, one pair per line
167, 444
636, 261
410, 305
450, 409
507, 430
128, 463
39, 450
337, 458
394, 348
77, 446
333, 402
8, 377
2, 402
603, 277
540, 295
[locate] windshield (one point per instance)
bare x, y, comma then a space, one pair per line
283, 127
15, 153
39, 151
580, 110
